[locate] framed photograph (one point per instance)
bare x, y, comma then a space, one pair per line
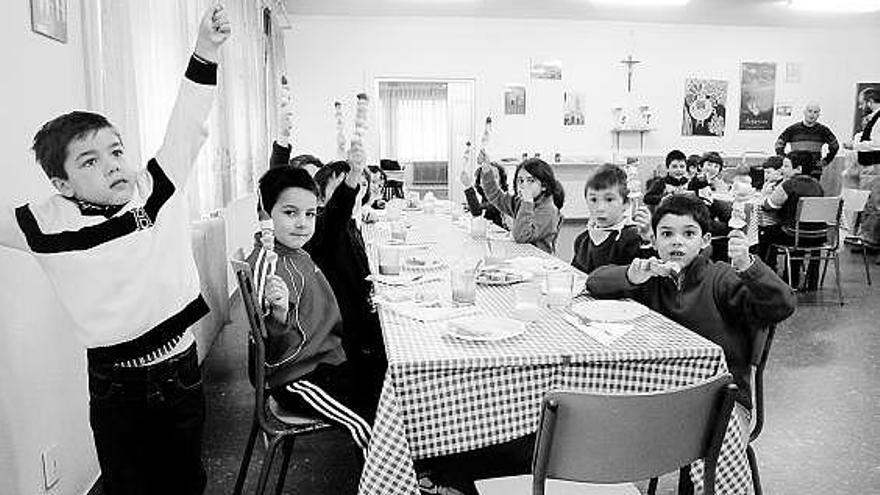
49, 18
573, 109
783, 110
515, 100
793, 71
546, 69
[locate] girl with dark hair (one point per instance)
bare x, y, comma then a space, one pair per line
536, 204
476, 198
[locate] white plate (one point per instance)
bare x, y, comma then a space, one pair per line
423, 263
512, 276
609, 310
484, 328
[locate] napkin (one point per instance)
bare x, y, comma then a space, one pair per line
429, 314
604, 333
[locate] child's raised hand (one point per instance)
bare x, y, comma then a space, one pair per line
642, 219
483, 160
214, 30
277, 297
466, 179
641, 270
738, 250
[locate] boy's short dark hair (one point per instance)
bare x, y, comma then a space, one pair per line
712, 156
871, 94
303, 160
693, 162
774, 162
802, 159
685, 205
675, 155
607, 177
322, 176
277, 179
50, 142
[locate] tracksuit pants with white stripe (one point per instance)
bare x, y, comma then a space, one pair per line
341, 394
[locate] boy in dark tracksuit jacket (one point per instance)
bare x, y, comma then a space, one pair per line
337, 247
303, 321
723, 302
674, 181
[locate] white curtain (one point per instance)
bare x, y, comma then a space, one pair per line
136, 59
414, 121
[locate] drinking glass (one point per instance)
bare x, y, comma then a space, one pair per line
526, 297
464, 286
559, 288
389, 259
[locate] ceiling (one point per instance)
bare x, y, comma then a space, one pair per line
731, 12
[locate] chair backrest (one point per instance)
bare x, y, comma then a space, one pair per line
819, 209
613, 438
257, 331
760, 352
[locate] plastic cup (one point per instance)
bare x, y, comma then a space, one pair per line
398, 232
559, 288
527, 299
389, 259
479, 227
464, 285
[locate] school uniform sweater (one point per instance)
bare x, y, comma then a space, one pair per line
122, 276
662, 187
713, 300
533, 223
312, 333
619, 248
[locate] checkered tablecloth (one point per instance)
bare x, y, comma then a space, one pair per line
443, 395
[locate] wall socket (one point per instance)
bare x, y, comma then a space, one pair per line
51, 466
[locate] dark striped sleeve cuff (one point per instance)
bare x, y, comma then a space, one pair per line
201, 71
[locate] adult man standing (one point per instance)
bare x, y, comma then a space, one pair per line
867, 146
809, 135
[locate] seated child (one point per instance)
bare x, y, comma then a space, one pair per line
610, 238
723, 302
303, 322
711, 164
674, 181
476, 196
535, 206
115, 243
693, 164
796, 183
719, 216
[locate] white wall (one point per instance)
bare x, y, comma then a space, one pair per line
43, 392
332, 58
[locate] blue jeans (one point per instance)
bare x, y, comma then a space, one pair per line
147, 424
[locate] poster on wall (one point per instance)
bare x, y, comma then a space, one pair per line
793, 71
758, 90
705, 103
860, 117
49, 18
573, 109
515, 99
546, 69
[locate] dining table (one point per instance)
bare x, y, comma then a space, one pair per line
443, 394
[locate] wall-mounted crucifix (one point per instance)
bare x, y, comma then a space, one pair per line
630, 68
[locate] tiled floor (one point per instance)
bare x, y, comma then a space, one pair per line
822, 432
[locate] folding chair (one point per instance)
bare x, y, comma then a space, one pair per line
279, 426
854, 201
816, 236
611, 439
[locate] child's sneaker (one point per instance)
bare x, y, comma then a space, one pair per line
427, 486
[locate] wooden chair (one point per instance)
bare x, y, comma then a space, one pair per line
279, 426
854, 201
760, 352
609, 439
815, 236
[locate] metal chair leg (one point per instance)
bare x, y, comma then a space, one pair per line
286, 450
267, 466
867, 268
685, 484
788, 267
753, 467
246, 459
652, 486
837, 274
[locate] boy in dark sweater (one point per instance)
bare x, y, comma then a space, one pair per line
675, 180
610, 238
723, 302
304, 324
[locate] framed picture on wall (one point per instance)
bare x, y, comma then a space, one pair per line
573, 112
515, 100
49, 18
758, 91
860, 116
546, 69
705, 107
